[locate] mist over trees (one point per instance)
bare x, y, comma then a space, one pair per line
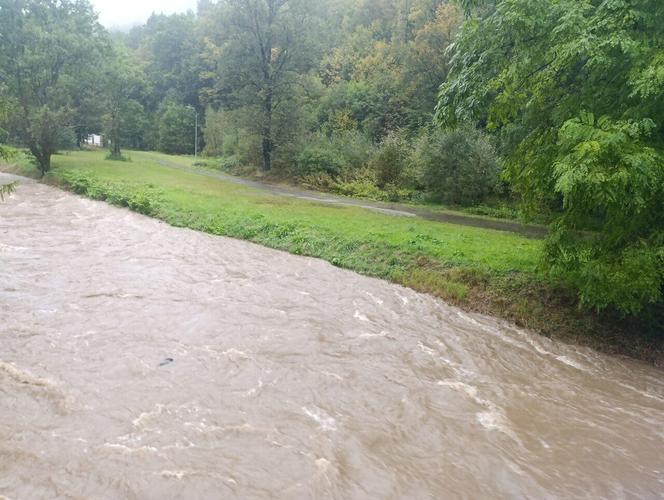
552, 109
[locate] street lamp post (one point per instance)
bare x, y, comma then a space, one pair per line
195, 131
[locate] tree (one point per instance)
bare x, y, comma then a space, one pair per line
257, 53
44, 46
170, 51
176, 129
123, 88
5, 189
574, 92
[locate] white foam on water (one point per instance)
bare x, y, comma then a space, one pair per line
234, 354
382, 333
254, 390
333, 375
641, 393
426, 349
358, 315
326, 422
24, 377
404, 300
127, 449
11, 248
570, 362
138, 421
374, 298
493, 418
187, 473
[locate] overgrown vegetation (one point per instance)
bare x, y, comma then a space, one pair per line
574, 93
6, 189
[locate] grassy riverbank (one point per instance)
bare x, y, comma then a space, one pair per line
482, 270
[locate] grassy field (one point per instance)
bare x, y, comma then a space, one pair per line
483, 270
489, 211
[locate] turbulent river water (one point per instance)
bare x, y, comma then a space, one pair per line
142, 361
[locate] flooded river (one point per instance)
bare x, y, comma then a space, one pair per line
143, 361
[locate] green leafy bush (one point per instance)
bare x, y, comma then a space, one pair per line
390, 160
144, 201
176, 129
609, 242
6, 189
341, 154
457, 167
315, 159
117, 157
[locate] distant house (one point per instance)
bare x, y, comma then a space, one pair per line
94, 140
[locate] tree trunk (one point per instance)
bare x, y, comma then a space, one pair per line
115, 145
267, 133
43, 158
114, 137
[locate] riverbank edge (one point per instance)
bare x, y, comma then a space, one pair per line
516, 297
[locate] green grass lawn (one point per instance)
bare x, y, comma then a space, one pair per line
347, 236
478, 269
490, 211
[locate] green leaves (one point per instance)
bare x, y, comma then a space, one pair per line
45, 49
573, 90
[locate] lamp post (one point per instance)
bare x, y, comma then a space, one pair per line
195, 131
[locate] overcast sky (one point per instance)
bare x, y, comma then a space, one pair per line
127, 13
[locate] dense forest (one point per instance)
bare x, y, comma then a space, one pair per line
554, 106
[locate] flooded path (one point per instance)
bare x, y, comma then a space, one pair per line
143, 361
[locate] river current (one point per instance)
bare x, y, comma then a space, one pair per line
143, 361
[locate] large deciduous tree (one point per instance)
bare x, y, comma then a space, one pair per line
123, 87
574, 90
45, 46
258, 51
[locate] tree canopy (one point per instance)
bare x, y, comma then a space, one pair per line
45, 46
574, 92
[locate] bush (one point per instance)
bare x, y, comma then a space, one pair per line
390, 160
457, 167
117, 157
214, 130
229, 164
341, 154
316, 160
176, 129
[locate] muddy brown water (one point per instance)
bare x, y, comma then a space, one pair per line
289, 378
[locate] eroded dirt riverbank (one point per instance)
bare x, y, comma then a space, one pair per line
289, 377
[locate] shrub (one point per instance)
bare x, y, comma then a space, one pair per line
390, 160
176, 129
457, 167
214, 130
353, 148
117, 157
229, 163
315, 159
341, 154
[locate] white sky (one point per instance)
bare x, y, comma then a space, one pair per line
128, 13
